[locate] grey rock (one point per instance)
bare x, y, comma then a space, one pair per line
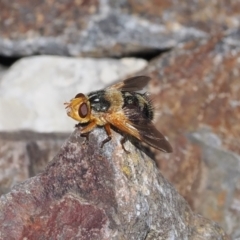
90, 28
25, 154
88, 192
222, 182
196, 93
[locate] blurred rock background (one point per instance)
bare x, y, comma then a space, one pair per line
51, 50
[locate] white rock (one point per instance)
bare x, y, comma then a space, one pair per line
33, 90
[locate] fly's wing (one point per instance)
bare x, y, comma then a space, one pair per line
150, 135
142, 129
146, 130
131, 84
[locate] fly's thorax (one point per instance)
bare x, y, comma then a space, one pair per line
116, 99
106, 101
98, 101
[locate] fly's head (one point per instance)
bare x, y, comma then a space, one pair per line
79, 108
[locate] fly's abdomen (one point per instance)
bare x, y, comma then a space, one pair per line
139, 103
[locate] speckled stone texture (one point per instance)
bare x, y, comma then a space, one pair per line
196, 88
108, 27
89, 28
24, 154
91, 193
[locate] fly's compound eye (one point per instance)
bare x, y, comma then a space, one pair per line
80, 95
83, 110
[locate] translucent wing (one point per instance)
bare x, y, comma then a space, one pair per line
146, 130
142, 129
150, 135
131, 84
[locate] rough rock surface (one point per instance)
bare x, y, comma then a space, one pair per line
91, 193
25, 154
109, 28
196, 88
210, 17
34, 89
98, 28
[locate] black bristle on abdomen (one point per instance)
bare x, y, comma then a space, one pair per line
137, 106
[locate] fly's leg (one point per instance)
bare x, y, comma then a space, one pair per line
85, 131
122, 141
108, 131
88, 128
78, 125
86, 135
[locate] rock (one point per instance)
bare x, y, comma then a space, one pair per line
109, 28
25, 154
34, 89
179, 16
2, 71
91, 193
196, 89
92, 28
